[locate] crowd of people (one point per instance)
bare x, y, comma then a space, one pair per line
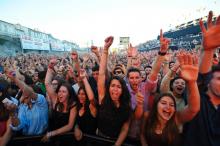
154, 98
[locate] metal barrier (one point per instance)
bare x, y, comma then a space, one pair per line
68, 138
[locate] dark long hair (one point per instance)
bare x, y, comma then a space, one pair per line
79, 105
72, 99
124, 98
170, 131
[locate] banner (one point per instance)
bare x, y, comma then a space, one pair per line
28, 42
57, 46
124, 40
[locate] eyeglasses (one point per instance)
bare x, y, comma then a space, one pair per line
54, 84
118, 72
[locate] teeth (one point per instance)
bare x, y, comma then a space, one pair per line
167, 114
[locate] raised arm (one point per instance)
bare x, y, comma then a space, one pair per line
48, 81
189, 72
164, 45
102, 69
132, 57
75, 61
95, 50
89, 92
165, 83
211, 41
28, 92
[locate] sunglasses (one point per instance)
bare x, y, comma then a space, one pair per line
118, 72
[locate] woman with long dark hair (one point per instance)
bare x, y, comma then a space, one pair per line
160, 125
114, 102
87, 110
64, 101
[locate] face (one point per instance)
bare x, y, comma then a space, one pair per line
82, 96
135, 62
214, 84
54, 84
171, 65
165, 108
143, 75
159, 76
118, 72
134, 79
115, 90
24, 99
60, 70
95, 75
35, 77
178, 86
63, 94
148, 70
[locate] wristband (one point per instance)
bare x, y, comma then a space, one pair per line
162, 53
49, 134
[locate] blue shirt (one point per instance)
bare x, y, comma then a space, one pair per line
33, 121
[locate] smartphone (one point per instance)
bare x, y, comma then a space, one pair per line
7, 101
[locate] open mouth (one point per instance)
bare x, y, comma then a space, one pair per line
135, 86
180, 88
167, 114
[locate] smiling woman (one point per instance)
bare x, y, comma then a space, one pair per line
160, 125
164, 109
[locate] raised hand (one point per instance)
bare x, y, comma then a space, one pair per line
132, 51
108, 42
175, 67
95, 49
140, 98
85, 57
164, 43
188, 66
211, 35
52, 63
74, 56
10, 73
82, 73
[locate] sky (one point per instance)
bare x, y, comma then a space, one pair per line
87, 22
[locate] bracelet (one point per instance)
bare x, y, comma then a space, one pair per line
162, 53
105, 52
49, 134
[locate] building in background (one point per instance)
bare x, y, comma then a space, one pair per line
15, 38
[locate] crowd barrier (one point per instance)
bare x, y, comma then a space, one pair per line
68, 138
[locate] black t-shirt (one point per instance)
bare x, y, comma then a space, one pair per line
87, 123
204, 129
111, 119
